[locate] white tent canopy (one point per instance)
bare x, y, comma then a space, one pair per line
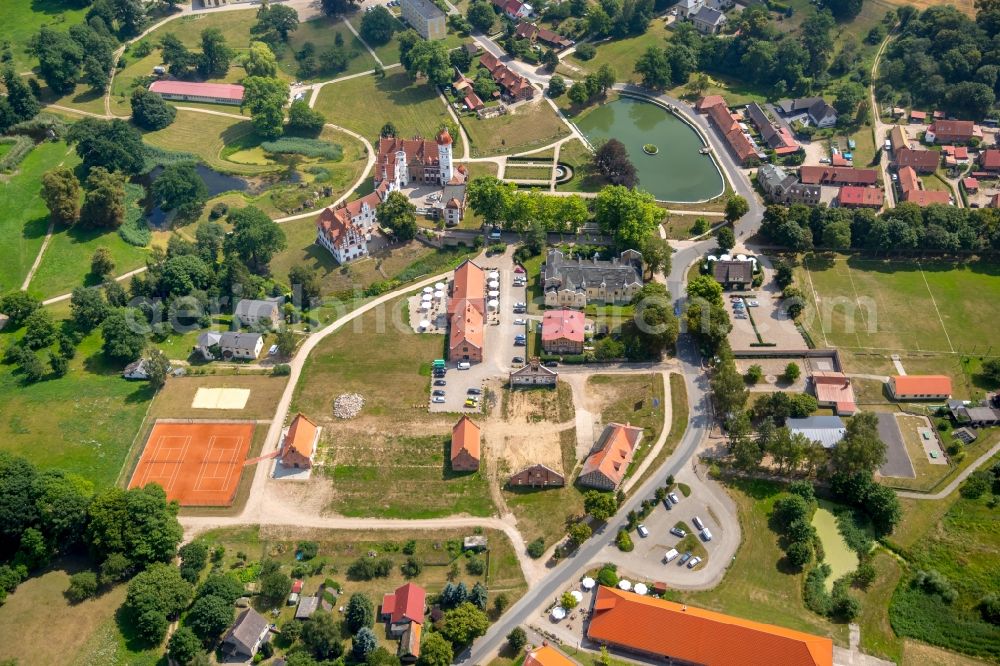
588, 583
493, 304
439, 285
428, 289
578, 595
493, 284
558, 613
624, 585
438, 295
640, 588
493, 293
424, 324
426, 297
494, 275
425, 306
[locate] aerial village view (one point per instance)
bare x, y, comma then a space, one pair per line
499, 333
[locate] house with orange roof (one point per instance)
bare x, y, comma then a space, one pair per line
465, 442
514, 85
468, 284
299, 445
908, 179
563, 332
920, 387
833, 389
546, 655
661, 629
408, 651
403, 607
465, 335
608, 461
400, 162
927, 197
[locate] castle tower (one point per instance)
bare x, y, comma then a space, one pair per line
444, 155
402, 175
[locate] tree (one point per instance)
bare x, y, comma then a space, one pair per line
305, 120
59, 59
490, 198
154, 597
274, 23
177, 56
435, 650
861, 449
725, 238
654, 68
224, 586
209, 616
260, 60
600, 505
112, 144
30, 366
883, 508
321, 636
150, 111
755, 373
87, 308
59, 364
183, 646
792, 372
728, 388
157, 367
463, 624
137, 523
557, 86
17, 305
429, 59
123, 339
736, 207
359, 613
483, 84
613, 162
788, 509
265, 98
397, 213
848, 96
517, 639
481, 15
22, 103
82, 586
215, 54
788, 450
40, 329
579, 532
274, 587
799, 553
180, 187
844, 10
629, 215
989, 608
255, 238
363, 644
333, 7
377, 25
61, 192
104, 201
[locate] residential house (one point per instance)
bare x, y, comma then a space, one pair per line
989, 160
563, 332
827, 430
207, 345
533, 374
546, 655
955, 155
533, 33
136, 370
451, 206
708, 21
686, 9
425, 17
465, 443
922, 161
231, 344
852, 196
569, 283
403, 161
408, 651
908, 179
971, 185
898, 138
778, 139
306, 608
514, 9
188, 91
537, 476
739, 142
833, 389
950, 131
515, 86
663, 630
809, 110
708, 101
345, 230
733, 274
299, 445
783, 187
608, 461
829, 175
918, 117
467, 314
472, 101
246, 635
403, 607
254, 313
925, 198
977, 416
920, 387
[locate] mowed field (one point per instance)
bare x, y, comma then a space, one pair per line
390, 460
899, 305
531, 125
206, 135
22, 19
366, 103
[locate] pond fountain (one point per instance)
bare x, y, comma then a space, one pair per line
674, 169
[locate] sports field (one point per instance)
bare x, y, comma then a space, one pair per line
198, 464
899, 306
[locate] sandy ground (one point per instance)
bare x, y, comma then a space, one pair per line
526, 434
220, 398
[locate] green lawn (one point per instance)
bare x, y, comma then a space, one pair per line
579, 157
678, 424
83, 423
530, 125
630, 399
755, 587
622, 54
24, 217
410, 477
388, 53
22, 19
365, 104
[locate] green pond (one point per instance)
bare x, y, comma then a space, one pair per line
839, 556
678, 172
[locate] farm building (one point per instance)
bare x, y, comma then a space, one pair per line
187, 91
608, 461
920, 387
299, 445
533, 374
465, 438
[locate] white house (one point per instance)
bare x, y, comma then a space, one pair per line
252, 313
345, 231
241, 345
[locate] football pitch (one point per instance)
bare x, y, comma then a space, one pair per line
900, 306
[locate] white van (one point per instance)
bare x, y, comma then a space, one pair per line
671, 555
464, 365
706, 535
696, 520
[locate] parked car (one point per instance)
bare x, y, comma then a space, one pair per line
668, 505
753, 304
673, 498
272, 350
520, 322
671, 555
693, 562
643, 532
517, 359
438, 400
678, 532
706, 535
520, 304
552, 364
437, 392
697, 523
440, 382
475, 391
464, 365
685, 557
469, 402
520, 310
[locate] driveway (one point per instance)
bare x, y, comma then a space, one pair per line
897, 462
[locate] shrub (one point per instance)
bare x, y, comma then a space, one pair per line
82, 586
218, 210
865, 574
411, 567
307, 550
536, 548
989, 607
475, 566
281, 370
624, 541
517, 639
608, 576
814, 591
585, 51
308, 147
933, 582
22, 146
755, 373
367, 568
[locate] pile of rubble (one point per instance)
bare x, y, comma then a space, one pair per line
348, 405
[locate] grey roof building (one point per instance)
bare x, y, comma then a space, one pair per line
425, 17
708, 20
240, 342
307, 606
614, 281
733, 274
246, 634
783, 187
820, 113
251, 312
827, 430
767, 130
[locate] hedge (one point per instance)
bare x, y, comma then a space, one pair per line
22, 145
135, 230
307, 147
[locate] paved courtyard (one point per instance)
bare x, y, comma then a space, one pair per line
897, 462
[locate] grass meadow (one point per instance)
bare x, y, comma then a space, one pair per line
636, 400
24, 18
530, 125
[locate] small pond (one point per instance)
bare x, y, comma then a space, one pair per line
678, 171
215, 181
838, 554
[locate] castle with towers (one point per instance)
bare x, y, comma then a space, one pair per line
345, 230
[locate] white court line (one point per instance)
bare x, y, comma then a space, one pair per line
940, 320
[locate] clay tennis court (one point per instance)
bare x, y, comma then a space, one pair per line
198, 464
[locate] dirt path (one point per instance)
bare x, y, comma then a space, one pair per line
963, 475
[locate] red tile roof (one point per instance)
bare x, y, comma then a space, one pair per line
852, 195
926, 198
908, 179
971, 184
741, 144
406, 604
467, 327
921, 160
217, 90
709, 101
613, 458
838, 160
468, 286
829, 175
300, 437
949, 130
656, 626
918, 115
990, 159
722, 118
547, 656
419, 152
465, 438
835, 388
562, 324
922, 384
297, 586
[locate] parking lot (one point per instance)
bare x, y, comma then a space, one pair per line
771, 319
498, 339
